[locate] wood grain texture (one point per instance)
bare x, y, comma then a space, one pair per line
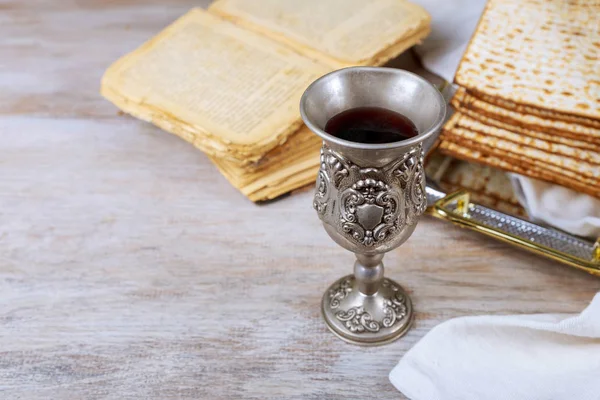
130, 269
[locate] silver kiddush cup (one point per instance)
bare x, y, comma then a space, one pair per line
370, 196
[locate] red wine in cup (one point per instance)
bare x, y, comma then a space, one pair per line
371, 125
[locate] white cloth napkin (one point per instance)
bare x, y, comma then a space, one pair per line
558, 206
520, 357
453, 23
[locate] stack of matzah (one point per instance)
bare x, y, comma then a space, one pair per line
529, 97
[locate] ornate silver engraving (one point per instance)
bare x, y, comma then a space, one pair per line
394, 308
369, 211
412, 179
333, 170
321, 193
339, 292
334, 165
357, 320
367, 204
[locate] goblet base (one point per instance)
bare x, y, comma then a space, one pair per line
370, 320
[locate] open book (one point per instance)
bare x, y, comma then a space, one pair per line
229, 80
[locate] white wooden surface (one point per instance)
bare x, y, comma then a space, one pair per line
129, 268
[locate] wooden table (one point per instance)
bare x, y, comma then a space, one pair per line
129, 268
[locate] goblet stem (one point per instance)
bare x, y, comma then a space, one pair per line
368, 273
366, 308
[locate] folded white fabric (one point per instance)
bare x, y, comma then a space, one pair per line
558, 206
521, 357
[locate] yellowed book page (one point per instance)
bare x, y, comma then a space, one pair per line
223, 80
349, 31
298, 181
271, 186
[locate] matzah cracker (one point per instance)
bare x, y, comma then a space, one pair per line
537, 111
521, 160
540, 53
552, 173
487, 156
562, 128
549, 160
551, 164
529, 132
463, 121
481, 179
487, 185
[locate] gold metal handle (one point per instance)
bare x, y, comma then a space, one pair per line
548, 242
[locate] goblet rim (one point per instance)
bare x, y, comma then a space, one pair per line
422, 136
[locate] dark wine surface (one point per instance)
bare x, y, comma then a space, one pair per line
372, 125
